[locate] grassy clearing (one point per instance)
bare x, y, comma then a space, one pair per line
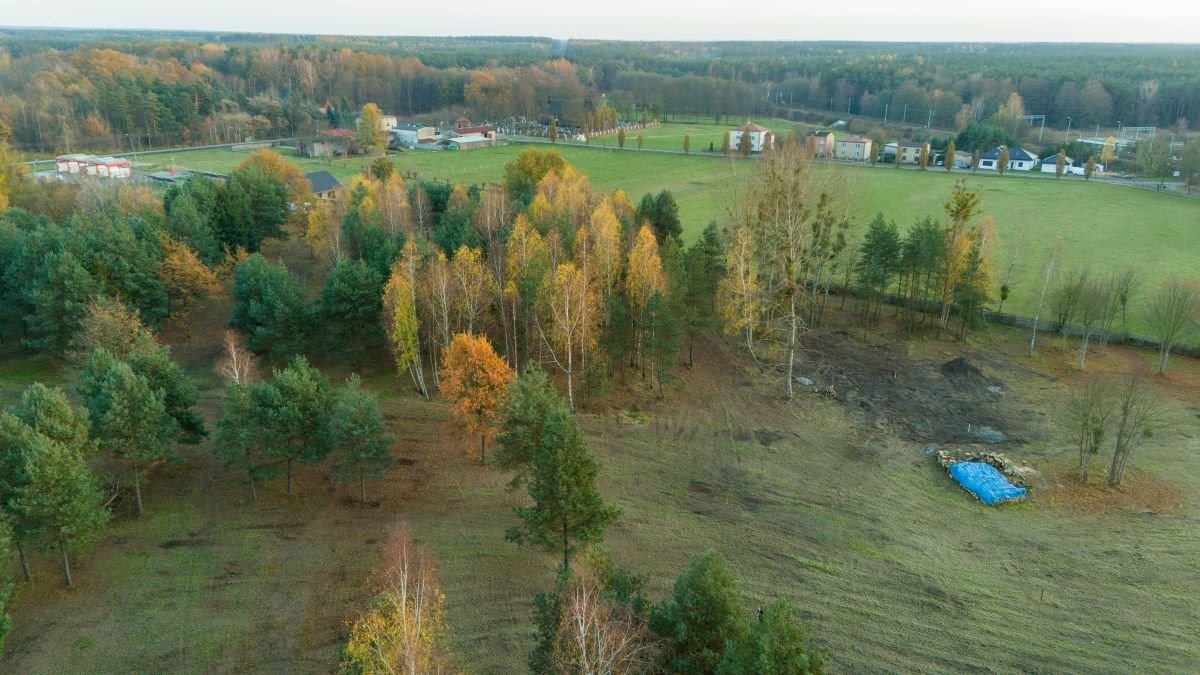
1101, 224
894, 567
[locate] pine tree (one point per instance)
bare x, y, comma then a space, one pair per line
129, 417
294, 409
702, 616
567, 508
360, 440
531, 401
240, 436
63, 499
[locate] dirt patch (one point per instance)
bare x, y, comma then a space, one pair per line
183, 543
1140, 492
917, 400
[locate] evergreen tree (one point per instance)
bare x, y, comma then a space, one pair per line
774, 645
567, 508
47, 411
58, 296
6, 586
351, 300
295, 415
702, 616
64, 501
129, 416
240, 436
254, 207
532, 399
704, 266
21, 447
660, 336
358, 436
269, 308
178, 392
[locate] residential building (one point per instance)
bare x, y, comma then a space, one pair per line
853, 148
409, 134
324, 184
820, 143
963, 160
389, 122
909, 152
1018, 159
1050, 164
760, 137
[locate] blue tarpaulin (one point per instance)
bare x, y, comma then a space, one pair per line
985, 482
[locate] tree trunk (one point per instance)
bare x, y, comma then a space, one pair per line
791, 366
253, 490
362, 487
66, 562
570, 379
482, 450
137, 490
289, 472
24, 561
1083, 347
1164, 353
566, 546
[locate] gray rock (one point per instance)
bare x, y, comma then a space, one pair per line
996, 390
803, 381
988, 435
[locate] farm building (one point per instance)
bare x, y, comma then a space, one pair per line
820, 143
759, 137
963, 160
330, 143
324, 184
90, 165
1018, 159
409, 134
469, 142
853, 148
483, 130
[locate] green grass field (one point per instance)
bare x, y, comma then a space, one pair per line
1101, 224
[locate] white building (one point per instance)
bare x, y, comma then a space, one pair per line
853, 148
759, 137
1019, 159
408, 135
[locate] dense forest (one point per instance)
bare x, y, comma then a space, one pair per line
122, 90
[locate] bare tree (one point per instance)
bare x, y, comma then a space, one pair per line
599, 636
1047, 275
1091, 409
1090, 310
236, 363
1120, 286
1065, 300
1138, 410
1171, 312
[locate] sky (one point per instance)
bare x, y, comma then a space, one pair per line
873, 20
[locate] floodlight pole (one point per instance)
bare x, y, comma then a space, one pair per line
1068, 129
1042, 130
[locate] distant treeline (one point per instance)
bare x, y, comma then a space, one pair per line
68, 90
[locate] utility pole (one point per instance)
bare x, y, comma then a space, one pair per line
929, 121
904, 115
1068, 129
885, 112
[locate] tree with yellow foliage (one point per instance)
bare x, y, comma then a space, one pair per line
404, 631
438, 296
323, 232
605, 249
739, 293
371, 134
568, 303
394, 209
473, 287
475, 380
526, 261
299, 189
183, 275
400, 322
643, 277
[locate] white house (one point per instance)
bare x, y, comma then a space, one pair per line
1018, 159
388, 122
759, 137
1050, 164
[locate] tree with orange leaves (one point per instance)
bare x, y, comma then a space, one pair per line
183, 275
475, 379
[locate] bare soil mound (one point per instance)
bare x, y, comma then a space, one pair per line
928, 402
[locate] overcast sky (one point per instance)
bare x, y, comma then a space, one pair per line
890, 20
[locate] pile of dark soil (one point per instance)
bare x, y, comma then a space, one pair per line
918, 400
